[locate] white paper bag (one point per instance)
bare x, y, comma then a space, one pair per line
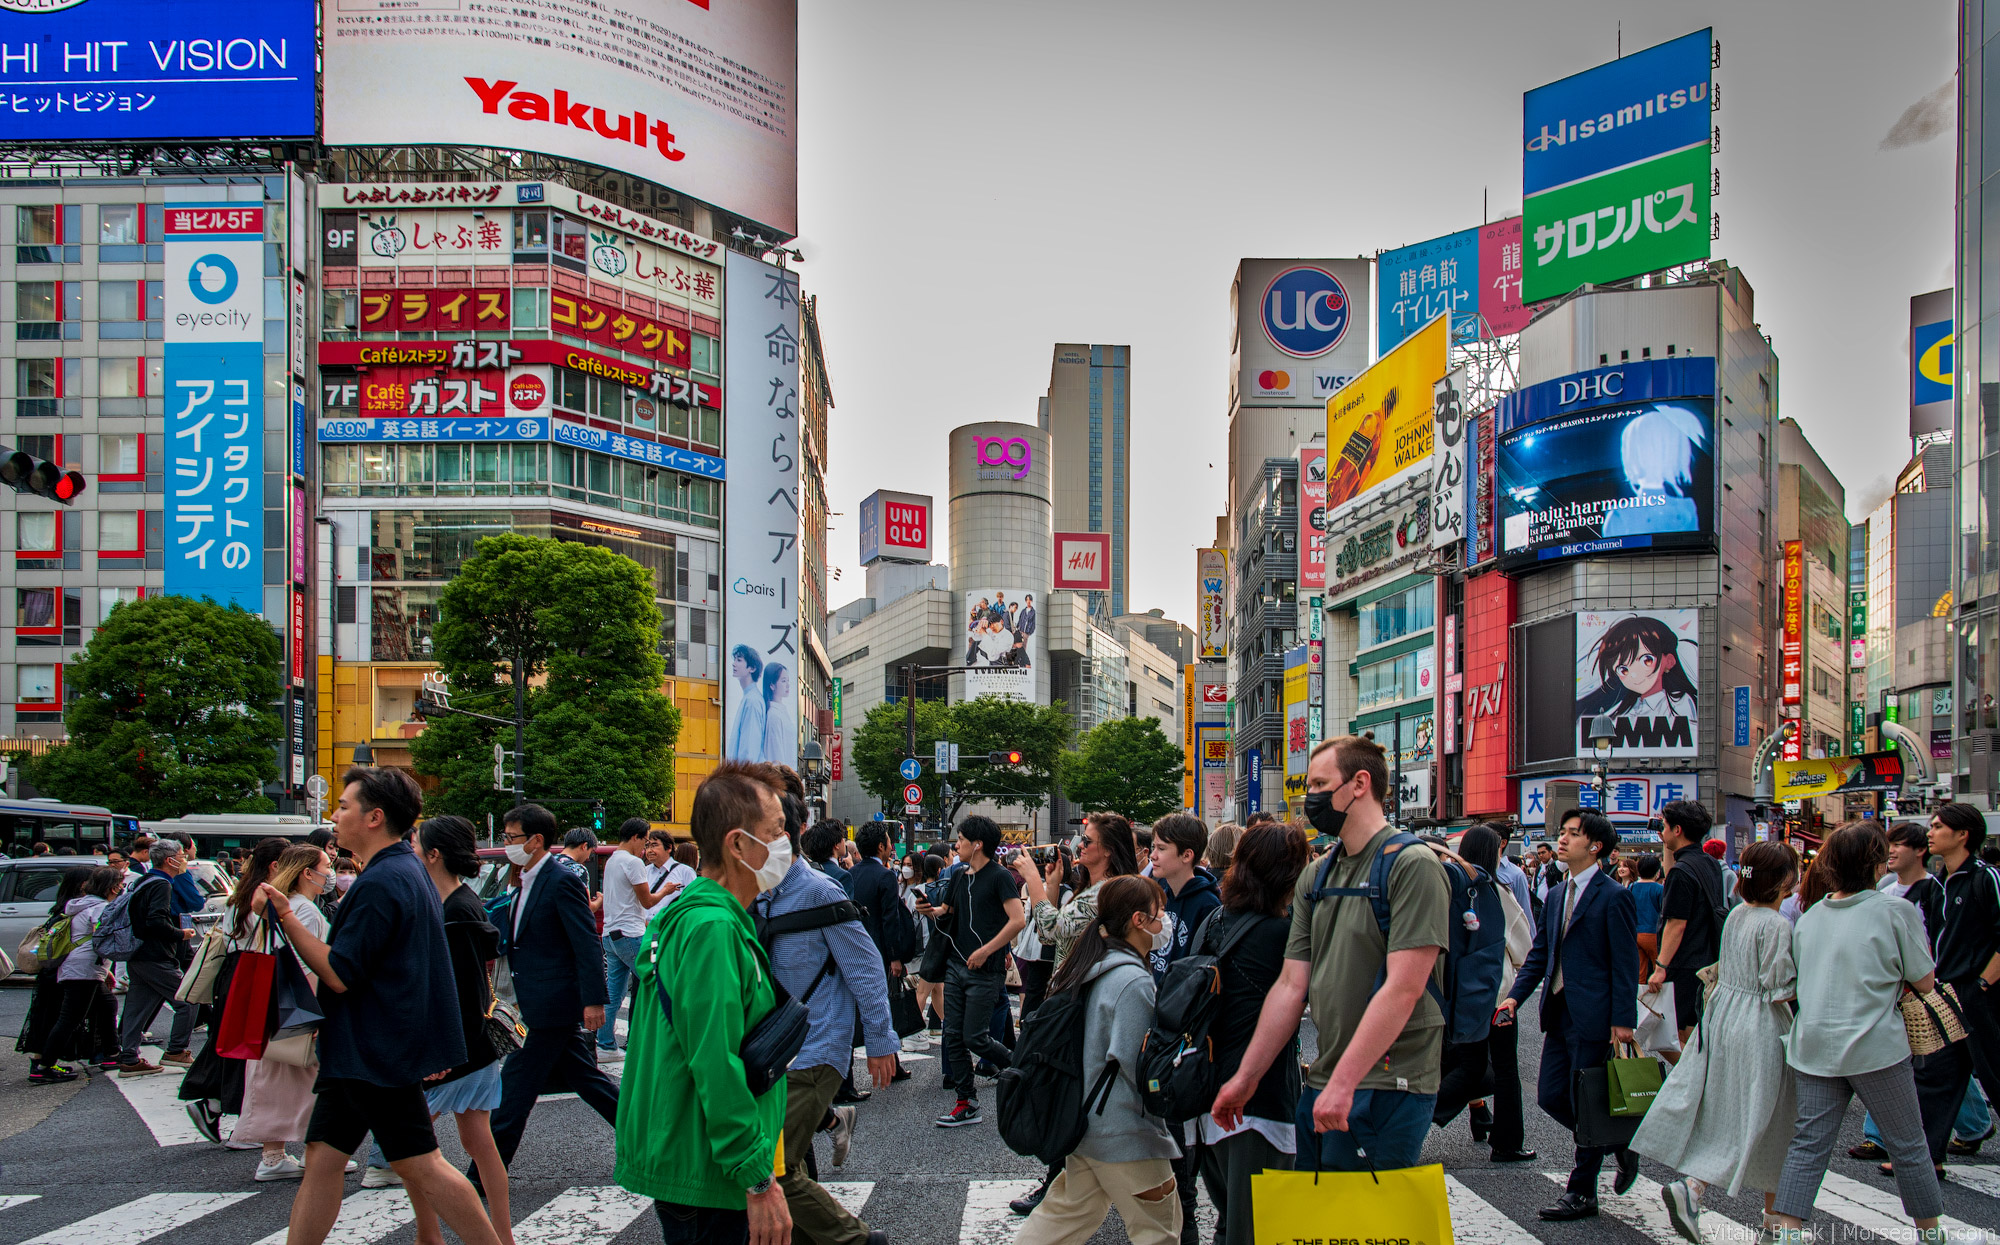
1658, 1029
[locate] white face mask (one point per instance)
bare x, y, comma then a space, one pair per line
777, 863
517, 853
342, 881
908, 873
1163, 939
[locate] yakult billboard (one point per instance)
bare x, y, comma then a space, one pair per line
701, 98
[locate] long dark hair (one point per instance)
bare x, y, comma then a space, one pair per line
1623, 641
1114, 835
1480, 846
256, 872
70, 887
1265, 867
1120, 898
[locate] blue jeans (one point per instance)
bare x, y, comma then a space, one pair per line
1973, 1118
1386, 1130
620, 954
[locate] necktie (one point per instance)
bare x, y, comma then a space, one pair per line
1569, 911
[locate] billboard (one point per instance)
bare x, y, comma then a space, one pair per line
1792, 633
1931, 368
1211, 595
1190, 766
1379, 427
1312, 517
1626, 477
1639, 668
1872, 771
1298, 740
1451, 460
214, 372
1500, 305
700, 98
760, 698
1615, 168
1083, 561
1424, 281
1302, 328
896, 526
1213, 743
1630, 799
1001, 631
142, 69
1486, 735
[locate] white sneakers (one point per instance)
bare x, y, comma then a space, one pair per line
843, 1134
286, 1168
918, 1041
614, 1055
380, 1178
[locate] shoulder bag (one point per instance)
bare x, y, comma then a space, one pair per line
198, 983
1931, 1020
768, 1049
503, 1028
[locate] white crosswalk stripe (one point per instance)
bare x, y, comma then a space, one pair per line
15, 1199
582, 1216
851, 1194
1977, 1177
1476, 1221
157, 1100
366, 1216
1643, 1209
142, 1220
987, 1220
1843, 1197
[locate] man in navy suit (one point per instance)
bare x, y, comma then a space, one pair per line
1586, 958
558, 967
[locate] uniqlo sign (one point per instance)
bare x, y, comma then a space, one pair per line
896, 526
1083, 561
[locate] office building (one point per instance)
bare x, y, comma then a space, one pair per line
1087, 417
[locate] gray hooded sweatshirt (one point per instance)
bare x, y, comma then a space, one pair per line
1121, 1011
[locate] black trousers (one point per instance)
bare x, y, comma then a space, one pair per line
550, 1059
1563, 1052
969, 999
1490, 1068
1942, 1078
86, 1027
1035, 976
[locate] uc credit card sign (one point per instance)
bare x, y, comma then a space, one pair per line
214, 348
119, 69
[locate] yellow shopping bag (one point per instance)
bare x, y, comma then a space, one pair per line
1407, 1206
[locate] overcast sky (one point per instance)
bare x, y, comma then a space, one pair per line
981, 181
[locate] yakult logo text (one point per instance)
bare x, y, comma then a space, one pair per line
1004, 452
558, 108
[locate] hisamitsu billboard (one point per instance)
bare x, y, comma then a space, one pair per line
116, 70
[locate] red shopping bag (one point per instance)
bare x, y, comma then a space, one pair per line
246, 1013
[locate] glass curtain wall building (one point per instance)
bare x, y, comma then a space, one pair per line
1976, 456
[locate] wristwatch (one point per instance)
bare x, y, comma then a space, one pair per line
760, 1188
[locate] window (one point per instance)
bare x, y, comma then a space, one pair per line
338, 311
119, 300
571, 243
118, 378
705, 355
36, 685
118, 531
43, 231
531, 231
48, 387
1395, 616
36, 531
531, 307
35, 607
117, 225
48, 310
109, 599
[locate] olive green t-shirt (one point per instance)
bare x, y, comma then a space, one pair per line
1339, 937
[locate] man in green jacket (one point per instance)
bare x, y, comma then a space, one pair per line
690, 1135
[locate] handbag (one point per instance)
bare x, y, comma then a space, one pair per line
26, 959
1633, 1084
298, 1050
244, 1027
1931, 1020
198, 983
294, 1006
1408, 1205
1590, 1097
503, 1028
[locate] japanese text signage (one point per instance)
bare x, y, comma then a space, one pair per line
760, 622
1791, 668
1312, 518
429, 310
124, 69
1615, 168
1631, 799
1421, 282
1450, 460
214, 373
1211, 593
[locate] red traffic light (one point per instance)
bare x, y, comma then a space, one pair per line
24, 473
70, 486
1004, 758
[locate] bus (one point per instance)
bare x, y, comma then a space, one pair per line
88, 828
238, 832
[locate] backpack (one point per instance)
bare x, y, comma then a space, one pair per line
771, 928
1043, 1105
57, 941
1475, 961
1177, 1057
114, 938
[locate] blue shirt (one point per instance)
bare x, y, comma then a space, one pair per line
857, 971
398, 1020
187, 897
1647, 896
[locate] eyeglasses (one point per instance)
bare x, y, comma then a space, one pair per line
513, 838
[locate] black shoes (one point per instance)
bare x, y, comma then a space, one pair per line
1867, 1151
1570, 1206
1955, 1146
206, 1117
1513, 1156
845, 1098
1481, 1118
1628, 1172
1026, 1205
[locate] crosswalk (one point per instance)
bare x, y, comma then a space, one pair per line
1849, 1210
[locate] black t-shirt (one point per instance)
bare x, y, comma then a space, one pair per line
1248, 974
978, 909
1693, 894
473, 941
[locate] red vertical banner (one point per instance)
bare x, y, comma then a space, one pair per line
1487, 736
1454, 683
836, 757
1312, 518
1792, 654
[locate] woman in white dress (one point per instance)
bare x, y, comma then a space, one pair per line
781, 727
1728, 1122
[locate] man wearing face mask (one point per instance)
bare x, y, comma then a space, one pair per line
558, 964
692, 1137
1368, 1096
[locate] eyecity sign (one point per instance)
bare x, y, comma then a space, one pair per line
1003, 458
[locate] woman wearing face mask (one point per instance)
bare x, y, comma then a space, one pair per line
1126, 1156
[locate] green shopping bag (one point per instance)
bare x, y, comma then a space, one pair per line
1633, 1083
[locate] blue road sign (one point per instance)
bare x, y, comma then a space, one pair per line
911, 769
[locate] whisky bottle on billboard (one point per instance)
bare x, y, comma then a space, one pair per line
1358, 456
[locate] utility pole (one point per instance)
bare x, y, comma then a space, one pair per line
434, 697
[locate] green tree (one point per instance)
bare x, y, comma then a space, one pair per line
571, 634
978, 727
175, 712
1126, 766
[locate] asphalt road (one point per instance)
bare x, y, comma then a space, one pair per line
105, 1162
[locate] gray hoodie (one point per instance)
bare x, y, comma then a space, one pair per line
1121, 1011
81, 964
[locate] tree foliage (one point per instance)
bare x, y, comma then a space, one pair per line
581, 626
978, 727
1126, 766
175, 712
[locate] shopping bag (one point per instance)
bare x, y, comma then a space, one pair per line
294, 1007
1659, 1027
1590, 1096
1407, 1205
198, 982
1632, 1085
246, 1013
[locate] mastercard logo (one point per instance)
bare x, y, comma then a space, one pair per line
1274, 380
526, 392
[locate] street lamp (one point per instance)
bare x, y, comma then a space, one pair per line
812, 759
363, 755
1603, 739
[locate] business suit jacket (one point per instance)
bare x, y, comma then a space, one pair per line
873, 889
1599, 955
555, 955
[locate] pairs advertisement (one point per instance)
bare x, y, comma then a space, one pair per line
237, 70
1615, 168
1001, 632
1640, 669
760, 700
1379, 427
1628, 477
702, 98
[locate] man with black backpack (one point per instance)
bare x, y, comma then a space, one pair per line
153, 972
1374, 985
1692, 908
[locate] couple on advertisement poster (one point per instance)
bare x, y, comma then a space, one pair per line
756, 732
1638, 669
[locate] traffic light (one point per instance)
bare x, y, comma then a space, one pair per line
503, 776
597, 817
1011, 757
24, 473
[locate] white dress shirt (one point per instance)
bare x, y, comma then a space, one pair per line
527, 883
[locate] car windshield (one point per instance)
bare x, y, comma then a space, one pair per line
209, 876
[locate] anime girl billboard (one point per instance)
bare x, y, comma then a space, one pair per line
1640, 668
